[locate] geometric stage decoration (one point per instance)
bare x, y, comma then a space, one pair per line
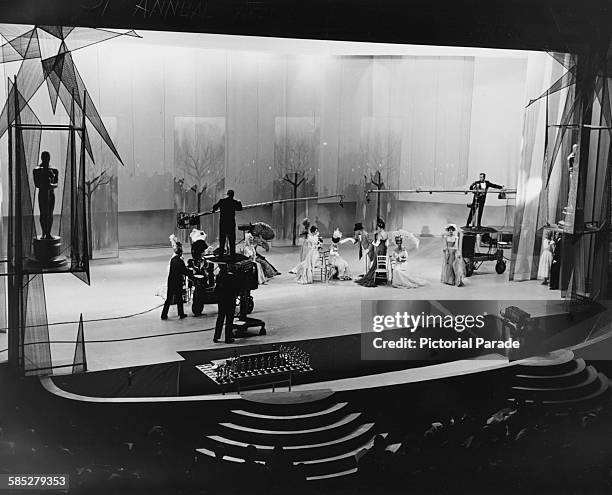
577, 155
79, 363
45, 57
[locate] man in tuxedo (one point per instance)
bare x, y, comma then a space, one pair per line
480, 188
176, 274
226, 297
227, 221
46, 179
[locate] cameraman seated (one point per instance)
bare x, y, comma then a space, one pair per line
198, 265
202, 269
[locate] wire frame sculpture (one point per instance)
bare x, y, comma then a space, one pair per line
45, 56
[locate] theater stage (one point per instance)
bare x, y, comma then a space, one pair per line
123, 326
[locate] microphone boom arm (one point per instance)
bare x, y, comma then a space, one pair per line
185, 220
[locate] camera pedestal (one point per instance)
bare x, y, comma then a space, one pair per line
47, 252
241, 326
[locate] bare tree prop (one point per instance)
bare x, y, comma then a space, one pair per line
294, 158
200, 159
380, 164
296, 180
92, 184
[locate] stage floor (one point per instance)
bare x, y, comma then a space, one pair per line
123, 326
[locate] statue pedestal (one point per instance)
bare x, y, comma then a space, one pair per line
47, 252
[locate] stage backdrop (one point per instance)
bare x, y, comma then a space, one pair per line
421, 116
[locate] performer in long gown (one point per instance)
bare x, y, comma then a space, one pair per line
365, 244
399, 256
304, 249
268, 269
250, 252
262, 234
305, 269
340, 267
378, 248
546, 258
453, 269
304, 234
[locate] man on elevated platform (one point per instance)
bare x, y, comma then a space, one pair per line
480, 189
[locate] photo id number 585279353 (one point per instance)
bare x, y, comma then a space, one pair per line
34, 482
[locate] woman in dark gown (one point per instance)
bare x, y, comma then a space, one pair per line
375, 249
269, 270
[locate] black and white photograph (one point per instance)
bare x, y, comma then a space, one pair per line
331, 247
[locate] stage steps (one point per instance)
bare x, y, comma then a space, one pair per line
574, 375
556, 362
288, 403
323, 435
228, 458
357, 438
292, 436
286, 422
559, 383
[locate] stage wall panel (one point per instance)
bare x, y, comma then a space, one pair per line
424, 121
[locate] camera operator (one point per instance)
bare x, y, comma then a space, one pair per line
226, 296
176, 273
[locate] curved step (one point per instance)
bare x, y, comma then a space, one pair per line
587, 402
332, 476
547, 367
298, 452
295, 397
228, 458
583, 388
343, 462
548, 381
337, 463
288, 403
579, 404
290, 422
291, 437
394, 447
552, 358
315, 467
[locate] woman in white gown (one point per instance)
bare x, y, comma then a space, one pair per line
250, 252
304, 234
305, 269
304, 247
340, 267
399, 257
453, 269
546, 258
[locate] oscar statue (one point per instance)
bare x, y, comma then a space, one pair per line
47, 248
